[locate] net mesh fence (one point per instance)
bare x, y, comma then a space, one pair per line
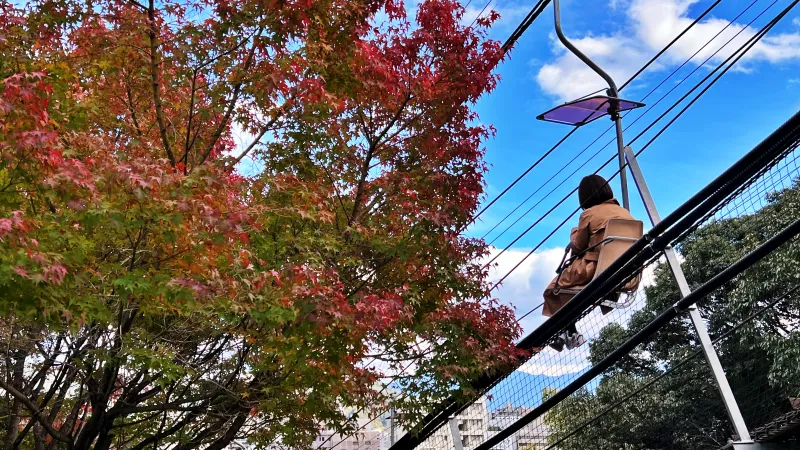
545, 372
760, 355
757, 357
664, 399
663, 395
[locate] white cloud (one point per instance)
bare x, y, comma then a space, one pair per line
471, 13
651, 25
533, 367
568, 78
524, 287
513, 14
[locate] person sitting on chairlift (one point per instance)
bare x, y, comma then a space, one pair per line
599, 206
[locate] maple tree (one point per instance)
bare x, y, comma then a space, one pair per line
166, 286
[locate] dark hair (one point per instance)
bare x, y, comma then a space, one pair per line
593, 191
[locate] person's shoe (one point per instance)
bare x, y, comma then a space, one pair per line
558, 342
575, 340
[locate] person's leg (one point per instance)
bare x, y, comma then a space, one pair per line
552, 302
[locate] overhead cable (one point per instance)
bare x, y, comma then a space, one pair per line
532, 15
673, 106
684, 215
651, 328
731, 22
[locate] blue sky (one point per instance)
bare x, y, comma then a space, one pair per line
621, 35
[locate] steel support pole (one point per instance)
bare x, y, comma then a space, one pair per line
697, 321
623, 176
391, 432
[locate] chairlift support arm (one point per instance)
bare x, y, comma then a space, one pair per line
612, 92
612, 86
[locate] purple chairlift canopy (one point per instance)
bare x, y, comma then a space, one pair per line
582, 111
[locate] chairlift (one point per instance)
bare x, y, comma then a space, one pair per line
619, 236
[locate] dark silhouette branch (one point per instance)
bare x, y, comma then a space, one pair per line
35, 413
237, 89
154, 65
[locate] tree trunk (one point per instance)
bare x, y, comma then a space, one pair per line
14, 418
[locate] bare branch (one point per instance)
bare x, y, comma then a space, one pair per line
35, 413
173, 406
185, 158
131, 108
154, 65
237, 89
394, 119
261, 134
135, 3
357, 208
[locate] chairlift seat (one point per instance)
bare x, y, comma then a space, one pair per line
619, 236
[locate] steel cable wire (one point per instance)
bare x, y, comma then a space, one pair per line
537, 9
650, 108
787, 233
607, 144
674, 105
751, 42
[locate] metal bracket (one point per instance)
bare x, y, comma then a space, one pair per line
712, 358
620, 305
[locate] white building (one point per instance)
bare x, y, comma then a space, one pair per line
362, 440
473, 427
532, 436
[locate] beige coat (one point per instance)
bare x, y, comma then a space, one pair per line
589, 232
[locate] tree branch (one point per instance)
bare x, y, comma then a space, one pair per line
132, 109
354, 216
135, 3
237, 89
35, 413
394, 119
154, 64
185, 158
257, 139
168, 432
174, 406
